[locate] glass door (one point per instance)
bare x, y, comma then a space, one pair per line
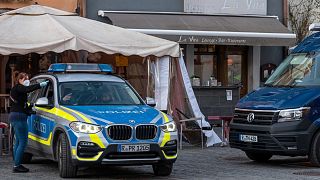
237, 68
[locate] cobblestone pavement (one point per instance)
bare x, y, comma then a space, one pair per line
193, 163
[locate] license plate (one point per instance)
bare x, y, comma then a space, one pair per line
248, 138
135, 148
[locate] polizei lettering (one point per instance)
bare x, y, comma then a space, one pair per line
40, 127
120, 112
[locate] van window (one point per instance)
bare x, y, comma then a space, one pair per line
296, 70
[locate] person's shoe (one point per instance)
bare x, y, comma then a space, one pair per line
20, 169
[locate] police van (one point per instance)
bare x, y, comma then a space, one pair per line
87, 116
283, 117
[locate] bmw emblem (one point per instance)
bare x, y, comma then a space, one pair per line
132, 121
250, 117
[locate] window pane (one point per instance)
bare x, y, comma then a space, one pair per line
204, 67
234, 69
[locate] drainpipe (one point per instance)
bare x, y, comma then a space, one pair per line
285, 12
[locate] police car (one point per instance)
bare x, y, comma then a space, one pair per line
87, 116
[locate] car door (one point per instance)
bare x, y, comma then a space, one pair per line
41, 123
32, 97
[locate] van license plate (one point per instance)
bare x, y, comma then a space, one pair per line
135, 148
248, 138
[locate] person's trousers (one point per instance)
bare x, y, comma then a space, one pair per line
20, 126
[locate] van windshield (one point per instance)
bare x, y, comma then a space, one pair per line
97, 93
296, 70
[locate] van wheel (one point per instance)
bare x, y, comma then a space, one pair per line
258, 157
162, 169
314, 154
66, 168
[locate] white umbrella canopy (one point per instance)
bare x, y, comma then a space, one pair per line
41, 29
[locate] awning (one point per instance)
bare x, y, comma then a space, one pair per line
41, 29
205, 29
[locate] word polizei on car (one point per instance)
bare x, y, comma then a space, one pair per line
86, 116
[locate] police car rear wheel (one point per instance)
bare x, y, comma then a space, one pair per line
66, 168
162, 169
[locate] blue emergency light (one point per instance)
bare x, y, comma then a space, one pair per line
75, 67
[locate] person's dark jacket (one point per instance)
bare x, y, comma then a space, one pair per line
19, 94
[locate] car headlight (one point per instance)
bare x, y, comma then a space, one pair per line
293, 114
81, 127
168, 127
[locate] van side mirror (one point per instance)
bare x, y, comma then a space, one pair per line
43, 102
151, 102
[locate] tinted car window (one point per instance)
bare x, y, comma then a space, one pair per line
97, 93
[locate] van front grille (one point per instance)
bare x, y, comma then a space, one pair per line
260, 117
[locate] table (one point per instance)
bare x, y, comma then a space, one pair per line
6, 98
225, 120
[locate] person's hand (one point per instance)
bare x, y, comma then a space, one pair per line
67, 97
44, 83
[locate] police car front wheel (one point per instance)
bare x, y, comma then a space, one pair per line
162, 169
63, 150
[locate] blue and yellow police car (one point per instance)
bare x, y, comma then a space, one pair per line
87, 116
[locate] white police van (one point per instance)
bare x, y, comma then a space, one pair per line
87, 116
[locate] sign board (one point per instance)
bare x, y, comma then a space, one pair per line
234, 7
223, 40
229, 95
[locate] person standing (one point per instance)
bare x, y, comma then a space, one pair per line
18, 117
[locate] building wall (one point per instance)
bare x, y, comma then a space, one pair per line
93, 6
69, 5
273, 54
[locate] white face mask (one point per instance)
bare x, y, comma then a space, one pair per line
26, 82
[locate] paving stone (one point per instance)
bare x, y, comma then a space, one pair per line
193, 163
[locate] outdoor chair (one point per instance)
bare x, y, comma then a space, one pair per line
190, 125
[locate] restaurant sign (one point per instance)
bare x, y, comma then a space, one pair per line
235, 7
229, 40
209, 40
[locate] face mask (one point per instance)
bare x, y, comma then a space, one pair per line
26, 82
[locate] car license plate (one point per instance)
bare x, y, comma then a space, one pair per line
135, 148
248, 138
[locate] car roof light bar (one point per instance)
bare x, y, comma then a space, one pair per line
78, 67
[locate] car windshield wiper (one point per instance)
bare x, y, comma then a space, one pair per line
285, 86
268, 85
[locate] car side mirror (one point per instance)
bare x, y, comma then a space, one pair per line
43, 102
151, 102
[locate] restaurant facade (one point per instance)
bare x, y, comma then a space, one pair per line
230, 47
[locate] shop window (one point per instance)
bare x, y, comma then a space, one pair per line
234, 69
205, 63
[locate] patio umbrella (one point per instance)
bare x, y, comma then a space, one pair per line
41, 29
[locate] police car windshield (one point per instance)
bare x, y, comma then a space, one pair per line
296, 70
97, 93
